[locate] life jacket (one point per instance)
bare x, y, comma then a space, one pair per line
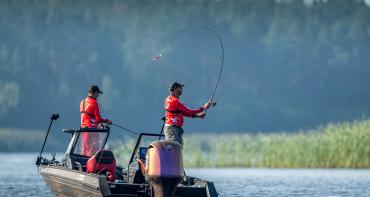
175, 111
90, 113
90, 118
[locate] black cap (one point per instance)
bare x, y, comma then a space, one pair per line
95, 88
175, 85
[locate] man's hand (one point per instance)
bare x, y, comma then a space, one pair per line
109, 122
201, 115
207, 105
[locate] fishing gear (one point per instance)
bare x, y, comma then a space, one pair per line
213, 103
39, 158
222, 63
158, 57
123, 128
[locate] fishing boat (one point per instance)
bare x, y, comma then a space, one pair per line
155, 169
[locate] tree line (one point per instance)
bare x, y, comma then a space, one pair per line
288, 64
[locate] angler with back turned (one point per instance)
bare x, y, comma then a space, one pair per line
91, 118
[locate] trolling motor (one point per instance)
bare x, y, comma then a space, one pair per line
41, 160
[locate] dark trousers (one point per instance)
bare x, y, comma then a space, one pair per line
173, 133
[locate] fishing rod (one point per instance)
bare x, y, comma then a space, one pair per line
222, 62
213, 103
123, 128
213, 31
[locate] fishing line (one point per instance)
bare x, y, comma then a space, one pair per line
157, 58
123, 128
101, 109
222, 59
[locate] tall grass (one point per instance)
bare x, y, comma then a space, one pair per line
123, 150
342, 145
25, 140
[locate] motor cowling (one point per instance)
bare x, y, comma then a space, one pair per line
164, 167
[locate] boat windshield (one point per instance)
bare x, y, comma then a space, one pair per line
88, 143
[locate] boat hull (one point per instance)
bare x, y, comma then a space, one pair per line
64, 182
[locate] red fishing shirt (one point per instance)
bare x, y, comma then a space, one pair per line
90, 118
90, 114
175, 111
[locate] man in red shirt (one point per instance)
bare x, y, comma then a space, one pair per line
175, 112
90, 118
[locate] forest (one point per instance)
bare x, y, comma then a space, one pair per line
289, 64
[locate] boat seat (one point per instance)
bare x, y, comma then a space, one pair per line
103, 162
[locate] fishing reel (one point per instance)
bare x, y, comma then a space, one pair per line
212, 102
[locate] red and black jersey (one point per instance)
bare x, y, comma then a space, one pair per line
175, 111
90, 114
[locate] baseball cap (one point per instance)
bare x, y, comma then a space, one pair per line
175, 85
95, 88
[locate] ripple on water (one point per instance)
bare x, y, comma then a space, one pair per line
20, 178
287, 182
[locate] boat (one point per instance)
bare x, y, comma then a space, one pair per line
153, 170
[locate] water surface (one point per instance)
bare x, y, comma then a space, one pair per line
19, 177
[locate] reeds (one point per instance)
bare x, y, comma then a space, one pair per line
25, 140
342, 145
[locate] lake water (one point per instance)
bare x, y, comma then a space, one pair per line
19, 177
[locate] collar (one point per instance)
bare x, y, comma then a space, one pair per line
91, 97
174, 96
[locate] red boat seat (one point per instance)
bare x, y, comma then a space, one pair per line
102, 162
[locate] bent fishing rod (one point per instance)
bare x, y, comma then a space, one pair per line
222, 62
213, 103
210, 29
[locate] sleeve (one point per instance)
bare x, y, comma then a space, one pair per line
81, 106
99, 119
186, 111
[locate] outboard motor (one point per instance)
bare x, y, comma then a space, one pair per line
164, 167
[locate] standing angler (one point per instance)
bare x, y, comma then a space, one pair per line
90, 118
175, 112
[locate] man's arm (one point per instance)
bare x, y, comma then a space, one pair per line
99, 119
187, 111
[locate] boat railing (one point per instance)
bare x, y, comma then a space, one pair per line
86, 130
